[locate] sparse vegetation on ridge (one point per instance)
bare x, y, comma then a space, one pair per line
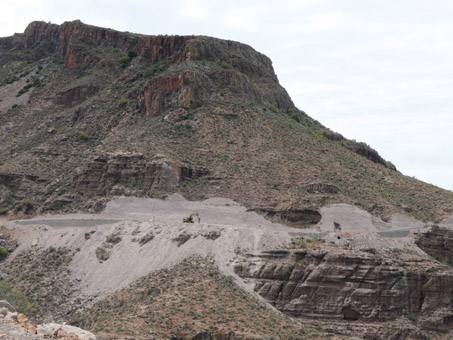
188, 299
37, 284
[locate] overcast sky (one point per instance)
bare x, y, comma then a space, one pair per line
378, 71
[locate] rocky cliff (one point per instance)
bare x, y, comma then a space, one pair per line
438, 243
353, 286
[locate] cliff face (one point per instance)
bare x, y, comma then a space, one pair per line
70, 38
132, 174
353, 286
437, 242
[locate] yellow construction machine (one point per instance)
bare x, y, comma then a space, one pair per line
190, 218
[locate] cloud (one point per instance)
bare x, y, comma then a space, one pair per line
194, 9
249, 19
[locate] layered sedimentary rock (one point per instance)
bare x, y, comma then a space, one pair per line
352, 285
437, 242
132, 174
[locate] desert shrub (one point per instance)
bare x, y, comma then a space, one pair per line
330, 135
125, 61
26, 204
225, 65
3, 211
163, 66
36, 82
18, 299
273, 108
83, 135
149, 72
131, 54
3, 253
296, 115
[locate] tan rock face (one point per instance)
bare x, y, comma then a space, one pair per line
348, 285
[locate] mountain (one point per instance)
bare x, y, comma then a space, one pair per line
88, 113
302, 233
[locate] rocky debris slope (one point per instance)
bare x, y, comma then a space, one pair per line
7, 245
14, 325
43, 287
190, 301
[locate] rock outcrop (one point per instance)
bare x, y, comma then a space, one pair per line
14, 325
437, 242
291, 216
132, 174
352, 286
68, 39
75, 96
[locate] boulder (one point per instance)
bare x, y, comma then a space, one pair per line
51, 329
6, 305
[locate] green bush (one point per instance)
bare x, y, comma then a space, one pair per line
273, 108
149, 72
83, 135
3, 253
226, 66
35, 83
123, 101
125, 61
4, 211
131, 54
334, 136
26, 204
16, 298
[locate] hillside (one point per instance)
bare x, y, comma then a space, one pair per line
88, 113
137, 271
